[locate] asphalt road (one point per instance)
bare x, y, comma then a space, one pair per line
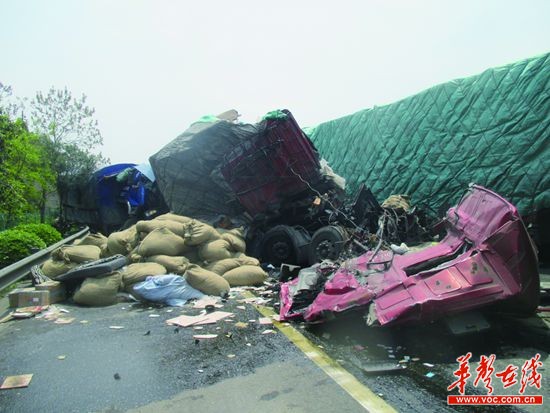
148, 362
148, 366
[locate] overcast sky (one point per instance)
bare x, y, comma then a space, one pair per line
150, 68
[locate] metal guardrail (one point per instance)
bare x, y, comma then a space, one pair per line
20, 269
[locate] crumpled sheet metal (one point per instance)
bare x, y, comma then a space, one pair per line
487, 256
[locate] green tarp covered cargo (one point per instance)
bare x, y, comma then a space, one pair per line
491, 129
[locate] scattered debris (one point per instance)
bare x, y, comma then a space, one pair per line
117, 376
241, 324
430, 375
147, 333
268, 332
23, 312
61, 357
64, 320
16, 382
265, 321
204, 336
154, 315
231, 356
381, 367
428, 365
116, 327
187, 320
207, 300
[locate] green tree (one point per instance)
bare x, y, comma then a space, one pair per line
23, 173
71, 135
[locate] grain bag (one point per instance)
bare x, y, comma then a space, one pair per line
236, 243
123, 242
222, 266
53, 268
245, 275
196, 233
174, 265
77, 253
98, 291
214, 250
148, 226
135, 273
99, 240
162, 241
206, 281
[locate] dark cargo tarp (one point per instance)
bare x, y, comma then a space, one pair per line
491, 129
187, 169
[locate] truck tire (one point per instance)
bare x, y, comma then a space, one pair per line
94, 268
327, 243
285, 244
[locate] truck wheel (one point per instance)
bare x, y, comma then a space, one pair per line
285, 244
327, 243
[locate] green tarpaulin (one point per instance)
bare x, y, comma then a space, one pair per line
491, 129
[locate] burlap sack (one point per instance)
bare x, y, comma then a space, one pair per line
245, 275
173, 217
400, 203
99, 240
135, 273
245, 259
214, 251
174, 265
196, 233
162, 241
53, 268
222, 266
148, 226
236, 243
98, 291
76, 253
123, 242
206, 281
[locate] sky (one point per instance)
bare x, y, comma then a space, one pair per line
151, 68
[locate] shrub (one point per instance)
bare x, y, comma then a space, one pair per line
45, 232
16, 245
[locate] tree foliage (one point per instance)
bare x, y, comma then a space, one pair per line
58, 151
23, 173
64, 119
72, 135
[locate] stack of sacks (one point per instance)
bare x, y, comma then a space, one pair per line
211, 260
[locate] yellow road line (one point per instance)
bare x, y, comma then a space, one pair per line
361, 393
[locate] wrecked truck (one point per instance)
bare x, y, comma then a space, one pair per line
268, 177
486, 258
